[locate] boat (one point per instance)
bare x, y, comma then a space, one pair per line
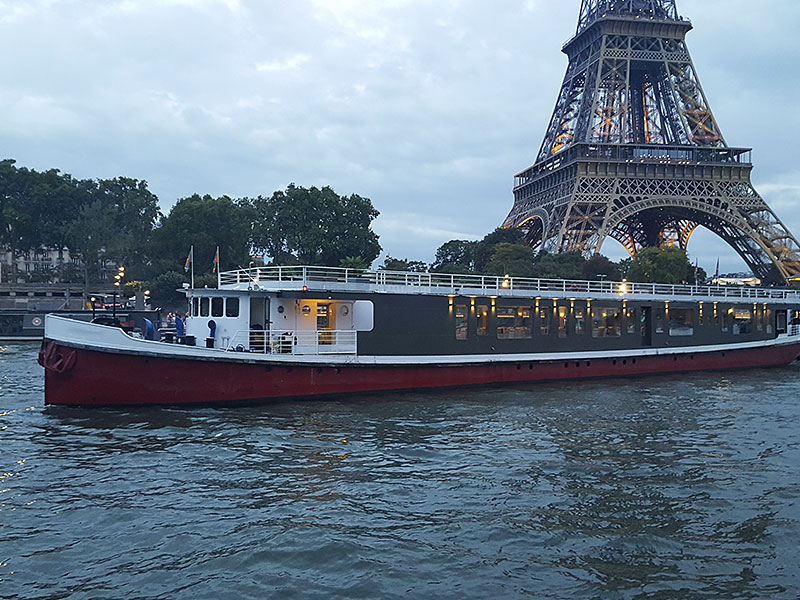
274, 333
29, 325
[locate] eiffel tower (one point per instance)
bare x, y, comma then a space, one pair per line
633, 151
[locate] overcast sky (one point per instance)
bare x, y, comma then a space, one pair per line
428, 107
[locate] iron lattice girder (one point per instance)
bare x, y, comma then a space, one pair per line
633, 151
592, 10
630, 81
637, 201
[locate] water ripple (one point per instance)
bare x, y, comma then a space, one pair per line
654, 488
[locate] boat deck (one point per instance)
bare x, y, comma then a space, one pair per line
328, 279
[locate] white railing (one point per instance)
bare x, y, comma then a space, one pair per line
317, 277
294, 342
794, 330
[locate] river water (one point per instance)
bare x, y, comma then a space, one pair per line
665, 487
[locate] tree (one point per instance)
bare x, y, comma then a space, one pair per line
53, 210
135, 212
515, 260
599, 265
565, 265
89, 235
353, 262
205, 223
455, 256
163, 291
314, 226
402, 264
484, 250
660, 265
35, 207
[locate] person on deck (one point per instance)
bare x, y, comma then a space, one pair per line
180, 329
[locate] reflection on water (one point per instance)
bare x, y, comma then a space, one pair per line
682, 487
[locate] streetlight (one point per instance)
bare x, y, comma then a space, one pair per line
118, 277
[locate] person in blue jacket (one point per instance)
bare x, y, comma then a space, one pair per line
149, 330
180, 328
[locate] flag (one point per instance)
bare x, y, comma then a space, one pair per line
189, 259
216, 261
716, 275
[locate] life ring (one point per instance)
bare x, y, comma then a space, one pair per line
52, 358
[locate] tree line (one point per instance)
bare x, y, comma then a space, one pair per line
506, 252
118, 222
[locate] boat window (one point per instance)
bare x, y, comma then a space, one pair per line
544, 321
514, 322
462, 323
769, 320
606, 322
580, 324
323, 316
217, 307
195, 307
759, 315
681, 322
232, 307
660, 320
482, 314
562, 321
203, 307
727, 318
782, 321
630, 317
743, 321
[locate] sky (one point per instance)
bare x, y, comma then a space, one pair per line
427, 107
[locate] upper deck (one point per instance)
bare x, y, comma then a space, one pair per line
331, 279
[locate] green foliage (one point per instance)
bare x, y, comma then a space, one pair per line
463, 256
164, 294
97, 220
566, 265
455, 256
89, 235
134, 212
314, 226
353, 262
624, 267
205, 223
483, 252
599, 265
661, 265
515, 260
402, 264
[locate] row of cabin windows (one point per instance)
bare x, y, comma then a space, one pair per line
215, 307
521, 322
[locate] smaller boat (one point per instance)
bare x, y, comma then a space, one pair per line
297, 332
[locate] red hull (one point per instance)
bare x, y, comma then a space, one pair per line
95, 378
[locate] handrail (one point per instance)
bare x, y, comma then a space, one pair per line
294, 342
258, 277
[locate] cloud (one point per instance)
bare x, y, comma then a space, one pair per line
288, 64
428, 107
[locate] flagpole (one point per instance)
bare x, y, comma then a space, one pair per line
219, 271
191, 253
